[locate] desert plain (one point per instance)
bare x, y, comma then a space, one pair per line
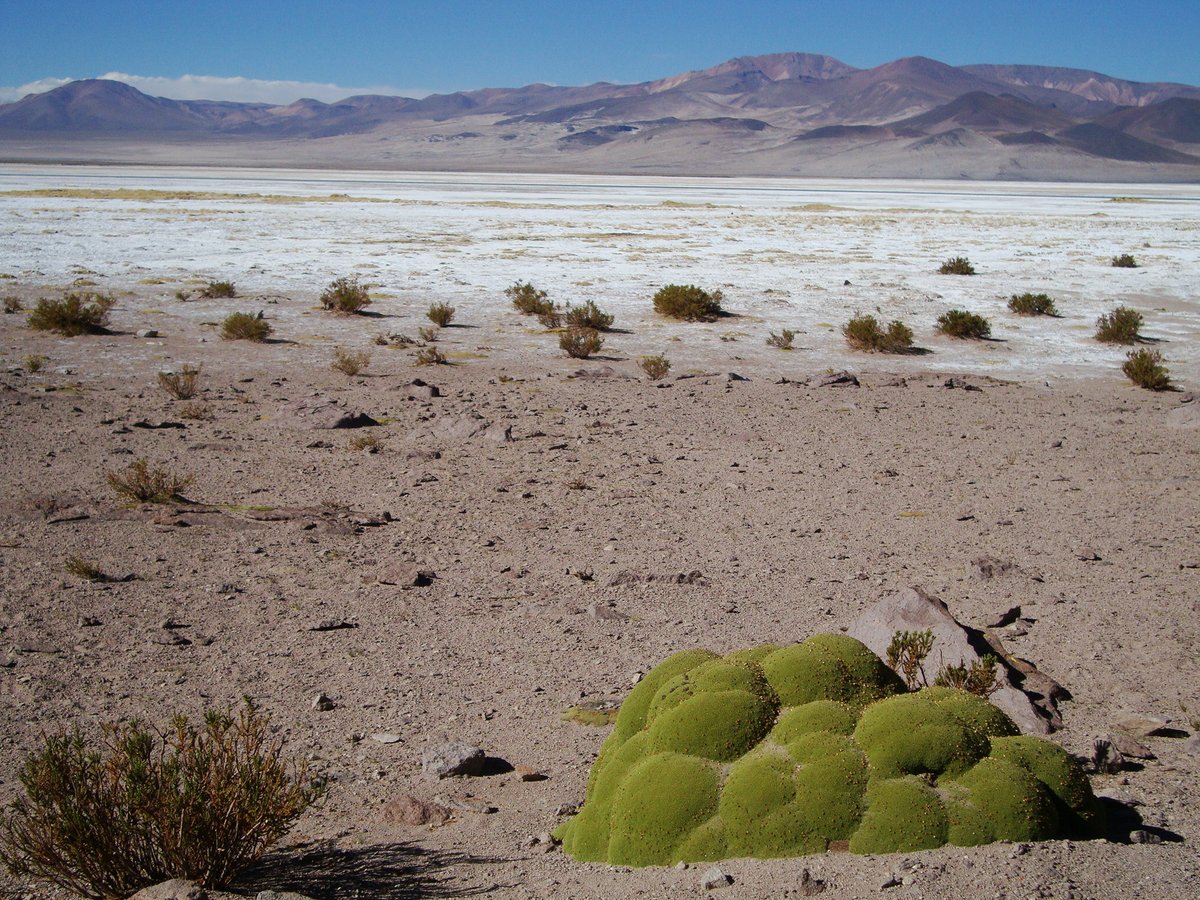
574, 521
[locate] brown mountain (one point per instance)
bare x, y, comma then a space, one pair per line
785, 113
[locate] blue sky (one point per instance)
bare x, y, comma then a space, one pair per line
280, 50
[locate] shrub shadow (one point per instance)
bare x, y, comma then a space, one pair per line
395, 871
1123, 821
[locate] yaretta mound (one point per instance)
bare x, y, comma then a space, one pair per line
782, 751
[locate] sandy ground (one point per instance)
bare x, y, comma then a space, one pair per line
798, 504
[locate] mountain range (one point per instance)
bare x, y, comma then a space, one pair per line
780, 114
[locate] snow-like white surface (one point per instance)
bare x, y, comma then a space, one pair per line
779, 249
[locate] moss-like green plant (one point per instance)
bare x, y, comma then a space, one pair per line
820, 744
688, 302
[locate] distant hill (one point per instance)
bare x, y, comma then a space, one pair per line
778, 114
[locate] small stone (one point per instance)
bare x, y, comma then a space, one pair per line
1087, 554
681, 866
1130, 747
714, 879
89, 622
837, 379
385, 737
567, 809
1193, 745
606, 612
448, 760
469, 804
146, 333
175, 889
809, 886
890, 882
281, 895
529, 773
1145, 726
406, 575
322, 703
408, 810
1144, 837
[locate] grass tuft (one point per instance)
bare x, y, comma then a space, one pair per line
656, 367
181, 385
141, 484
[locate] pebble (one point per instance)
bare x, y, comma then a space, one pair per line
322, 703
714, 878
384, 737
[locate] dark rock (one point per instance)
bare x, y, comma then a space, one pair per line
322, 703
324, 413
961, 384
406, 575
332, 625
418, 390
447, 760
836, 379
809, 886
1106, 758
1005, 618
1130, 747
1141, 836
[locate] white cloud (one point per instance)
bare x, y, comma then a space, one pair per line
213, 87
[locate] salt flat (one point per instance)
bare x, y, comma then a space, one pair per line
781, 250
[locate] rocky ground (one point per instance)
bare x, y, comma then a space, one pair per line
542, 531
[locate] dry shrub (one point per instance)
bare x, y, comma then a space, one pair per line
656, 367
196, 411
689, 303
1124, 261
427, 333
13, 305
906, 655
74, 314
1121, 326
202, 803
959, 323
977, 678
181, 385
527, 299
865, 333
366, 442
240, 326
580, 343
345, 296
430, 356
440, 314
218, 290
81, 568
957, 265
349, 363
1145, 369
141, 484
589, 315
783, 341
35, 362
550, 318
1028, 304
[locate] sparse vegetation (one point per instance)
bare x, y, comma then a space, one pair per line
181, 385
1121, 326
218, 290
13, 305
349, 363
1028, 304
959, 323
689, 303
656, 367
580, 343
957, 265
81, 568
196, 411
73, 315
1145, 369
201, 803
427, 333
906, 654
368, 443
240, 326
345, 296
782, 340
141, 484
550, 318
589, 315
440, 314
1124, 261
34, 363
977, 678
528, 300
430, 356
865, 333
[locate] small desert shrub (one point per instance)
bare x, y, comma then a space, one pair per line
430, 356
587, 316
962, 324
181, 385
977, 678
366, 442
865, 333
73, 314
656, 367
1121, 326
1145, 369
1028, 304
906, 653
527, 299
688, 302
13, 305
957, 265
240, 326
580, 343
346, 296
782, 341
550, 317
218, 290
81, 568
349, 363
195, 411
35, 362
201, 803
1124, 261
141, 484
440, 314
427, 333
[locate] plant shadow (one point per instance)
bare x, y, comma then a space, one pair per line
395, 871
